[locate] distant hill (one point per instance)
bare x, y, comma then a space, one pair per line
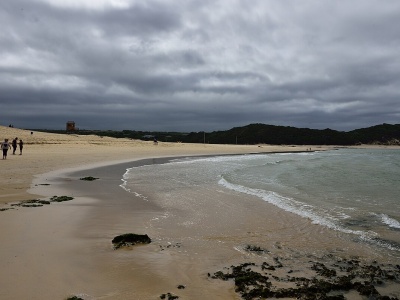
285, 135
385, 134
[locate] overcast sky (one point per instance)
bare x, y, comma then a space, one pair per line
199, 65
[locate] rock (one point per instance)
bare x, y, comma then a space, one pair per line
366, 290
130, 239
60, 198
88, 178
169, 296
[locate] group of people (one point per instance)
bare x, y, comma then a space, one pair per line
6, 145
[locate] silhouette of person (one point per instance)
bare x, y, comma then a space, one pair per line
5, 146
21, 146
14, 145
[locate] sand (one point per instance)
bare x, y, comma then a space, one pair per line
64, 249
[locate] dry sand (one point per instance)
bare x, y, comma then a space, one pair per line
64, 249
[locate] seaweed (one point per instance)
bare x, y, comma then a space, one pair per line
252, 283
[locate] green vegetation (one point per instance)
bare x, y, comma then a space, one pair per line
129, 134
281, 135
385, 134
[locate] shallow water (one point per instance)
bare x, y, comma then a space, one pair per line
353, 192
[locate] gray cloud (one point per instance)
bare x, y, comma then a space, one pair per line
199, 65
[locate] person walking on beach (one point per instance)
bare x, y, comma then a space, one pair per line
14, 145
21, 145
5, 146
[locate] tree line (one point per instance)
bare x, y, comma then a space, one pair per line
385, 134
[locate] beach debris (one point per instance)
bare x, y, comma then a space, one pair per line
31, 203
256, 249
88, 178
6, 208
61, 198
37, 202
130, 239
176, 245
333, 279
169, 296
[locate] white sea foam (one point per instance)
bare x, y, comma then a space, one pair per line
124, 185
389, 221
293, 206
133, 192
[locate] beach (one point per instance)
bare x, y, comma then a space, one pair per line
64, 249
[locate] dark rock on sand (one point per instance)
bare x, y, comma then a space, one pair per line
7, 208
74, 298
130, 239
32, 203
169, 296
256, 249
88, 178
61, 198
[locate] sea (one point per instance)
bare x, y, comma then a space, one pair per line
354, 192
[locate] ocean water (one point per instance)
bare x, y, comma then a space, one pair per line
354, 192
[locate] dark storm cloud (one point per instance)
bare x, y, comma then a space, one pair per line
191, 65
